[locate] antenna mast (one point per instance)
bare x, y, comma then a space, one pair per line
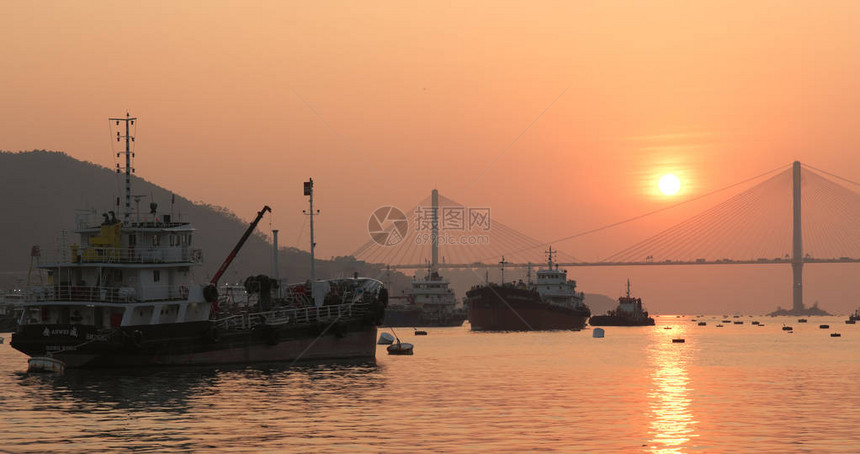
129, 121
309, 191
503, 263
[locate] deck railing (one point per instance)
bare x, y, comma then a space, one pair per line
161, 254
78, 293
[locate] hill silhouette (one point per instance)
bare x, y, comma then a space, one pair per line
42, 191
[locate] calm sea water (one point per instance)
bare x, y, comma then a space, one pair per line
740, 388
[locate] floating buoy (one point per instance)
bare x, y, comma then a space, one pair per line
678, 341
824, 326
385, 339
835, 335
597, 333
38, 364
400, 348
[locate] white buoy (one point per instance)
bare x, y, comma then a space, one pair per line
597, 333
385, 339
45, 364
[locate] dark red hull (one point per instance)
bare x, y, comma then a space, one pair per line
513, 309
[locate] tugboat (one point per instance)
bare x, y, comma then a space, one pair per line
429, 303
628, 313
551, 303
123, 297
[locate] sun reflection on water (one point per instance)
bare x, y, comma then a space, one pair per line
672, 423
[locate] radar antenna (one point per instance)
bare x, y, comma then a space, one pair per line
129, 121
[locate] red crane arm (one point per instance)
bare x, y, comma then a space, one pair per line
239, 245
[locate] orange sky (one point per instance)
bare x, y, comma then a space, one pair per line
239, 102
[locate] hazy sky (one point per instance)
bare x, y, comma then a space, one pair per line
561, 116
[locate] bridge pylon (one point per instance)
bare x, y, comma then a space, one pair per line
797, 249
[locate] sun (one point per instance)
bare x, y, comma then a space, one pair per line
669, 184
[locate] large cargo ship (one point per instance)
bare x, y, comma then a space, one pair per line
628, 313
550, 303
123, 296
430, 302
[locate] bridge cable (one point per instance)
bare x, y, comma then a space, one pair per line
659, 210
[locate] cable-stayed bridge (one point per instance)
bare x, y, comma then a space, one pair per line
795, 214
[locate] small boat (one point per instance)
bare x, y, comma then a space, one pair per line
835, 335
628, 313
801, 320
787, 328
420, 332
739, 323
703, 323
385, 339
847, 322
824, 326
678, 341
719, 326
1, 340
39, 364
400, 348
755, 322
667, 327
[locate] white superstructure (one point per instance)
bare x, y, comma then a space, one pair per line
125, 272
554, 287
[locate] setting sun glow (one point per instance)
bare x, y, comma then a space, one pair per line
669, 184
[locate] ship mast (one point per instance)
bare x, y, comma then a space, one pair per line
129, 121
503, 263
309, 191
